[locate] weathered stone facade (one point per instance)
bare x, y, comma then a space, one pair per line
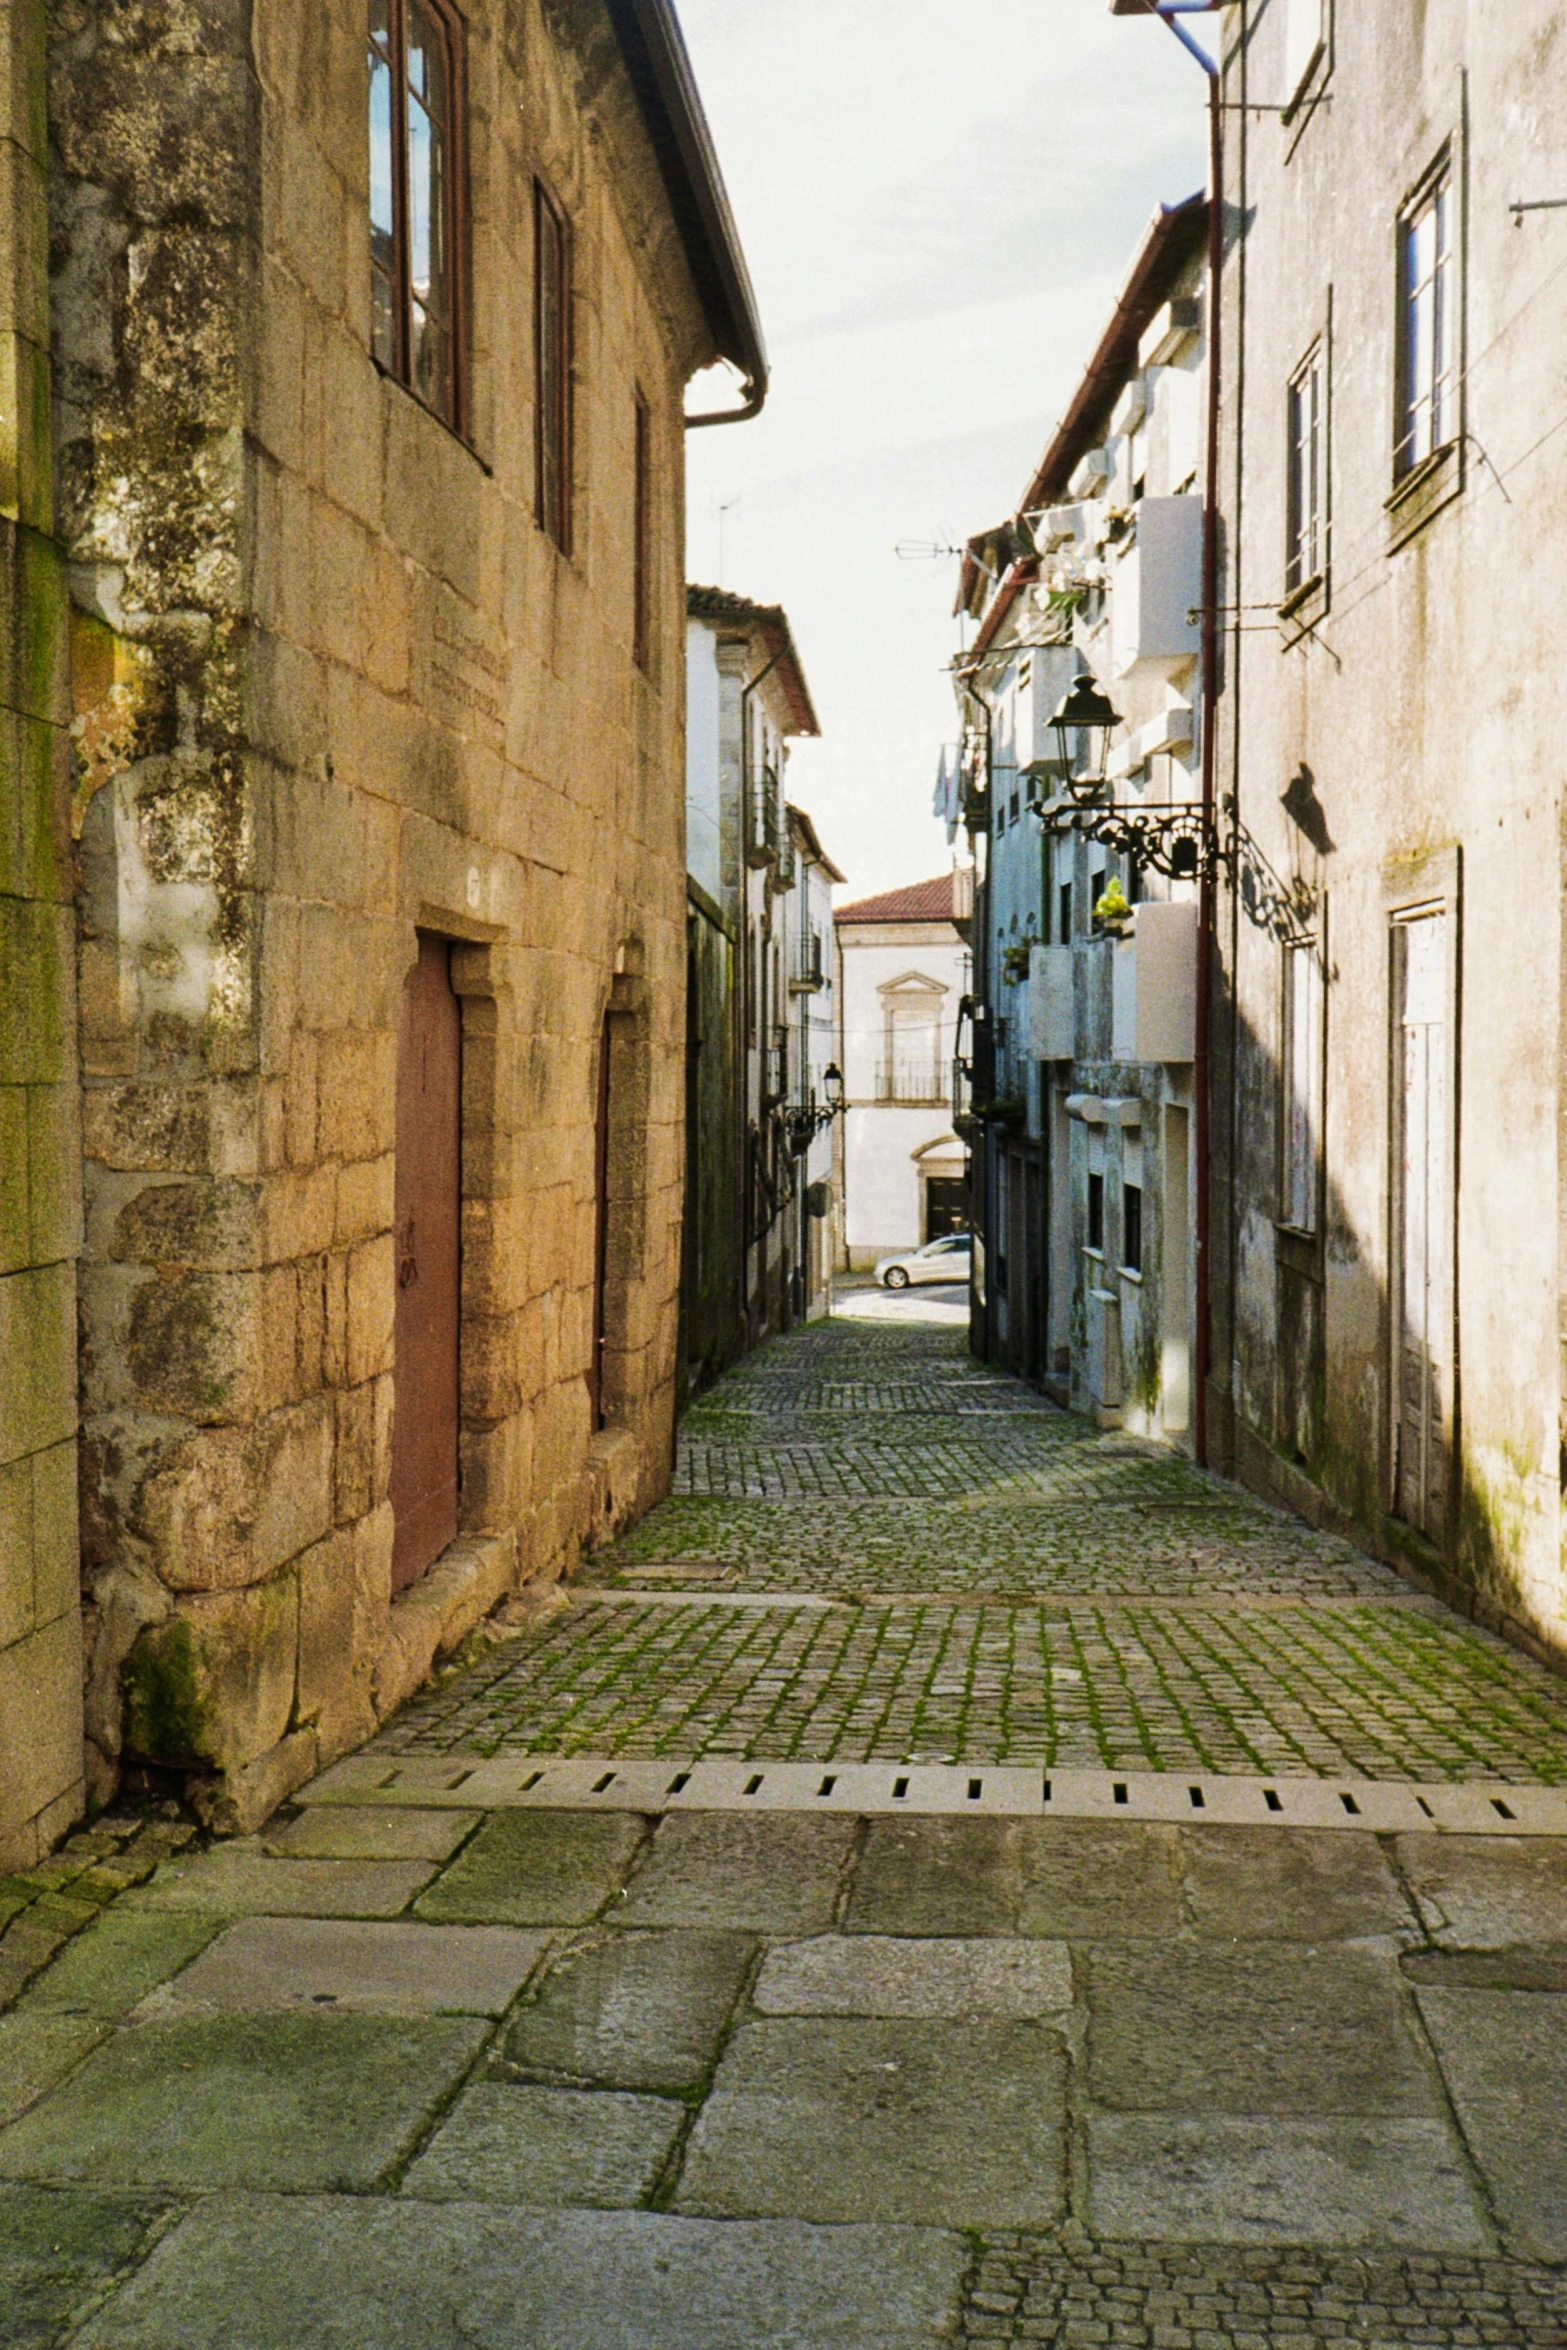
40, 1621
334, 688
1391, 754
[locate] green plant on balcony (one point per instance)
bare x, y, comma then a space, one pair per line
1015, 959
1113, 912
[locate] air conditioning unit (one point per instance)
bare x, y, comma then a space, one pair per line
1154, 985
1093, 471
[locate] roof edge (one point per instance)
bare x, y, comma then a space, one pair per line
664, 85
720, 606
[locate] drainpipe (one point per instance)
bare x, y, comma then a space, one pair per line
1209, 705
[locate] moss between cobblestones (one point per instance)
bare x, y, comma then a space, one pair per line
1206, 1630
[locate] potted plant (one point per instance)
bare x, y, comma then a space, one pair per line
1113, 913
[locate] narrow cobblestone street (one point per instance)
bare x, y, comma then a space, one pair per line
948, 1875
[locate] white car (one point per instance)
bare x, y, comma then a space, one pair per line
946, 1259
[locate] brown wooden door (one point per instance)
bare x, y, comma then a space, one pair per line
427, 1228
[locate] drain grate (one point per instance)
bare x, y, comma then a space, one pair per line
596, 1783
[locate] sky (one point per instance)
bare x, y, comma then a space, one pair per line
937, 203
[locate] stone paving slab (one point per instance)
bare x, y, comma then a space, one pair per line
535, 1869
1504, 2056
1475, 1895
36, 2051
272, 1963
763, 1876
233, 1879
372, 1834
1267, 2179
519, 2143
117, 1962
401, 2275
58, 2251
891, 1975
1256, 2028
961, 2125
636, 2010
293, 2102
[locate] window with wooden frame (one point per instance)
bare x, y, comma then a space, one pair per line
1427, 418
1305, 557
642, 537
552, 367
417, 208
1301, 1072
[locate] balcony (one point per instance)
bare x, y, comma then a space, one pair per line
913, 1081
811, 975
765, 827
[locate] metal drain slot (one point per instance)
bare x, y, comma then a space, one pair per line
608, 1780
1272, 1798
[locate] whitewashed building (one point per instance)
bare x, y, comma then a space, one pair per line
903, 973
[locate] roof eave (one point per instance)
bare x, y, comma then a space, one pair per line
666, 93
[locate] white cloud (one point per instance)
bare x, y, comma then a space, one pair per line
936, 204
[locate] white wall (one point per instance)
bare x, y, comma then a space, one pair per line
882, 1188
704, 859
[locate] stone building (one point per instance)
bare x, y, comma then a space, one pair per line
1084, 1042
370, 334
1389, 1107
904, 963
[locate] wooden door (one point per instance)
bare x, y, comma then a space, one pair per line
1423, 1226
427, 1227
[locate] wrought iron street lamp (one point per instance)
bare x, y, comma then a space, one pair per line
806, 1120
1175, 838
1084, 723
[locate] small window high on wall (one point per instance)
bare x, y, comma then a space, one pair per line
416, 200
552, 367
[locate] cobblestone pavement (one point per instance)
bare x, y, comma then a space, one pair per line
389, 2076
958, 1572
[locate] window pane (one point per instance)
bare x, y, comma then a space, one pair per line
382, 242
550, 339
428, 226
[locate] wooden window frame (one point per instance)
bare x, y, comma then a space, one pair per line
555, 522
1306, 474
400, 369
1439, 187
642, 535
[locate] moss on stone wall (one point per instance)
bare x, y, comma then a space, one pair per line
168, 1716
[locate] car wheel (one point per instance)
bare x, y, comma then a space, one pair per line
895, 1277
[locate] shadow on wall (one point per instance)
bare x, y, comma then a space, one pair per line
1334, 1371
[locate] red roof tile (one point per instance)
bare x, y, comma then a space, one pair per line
917, 901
